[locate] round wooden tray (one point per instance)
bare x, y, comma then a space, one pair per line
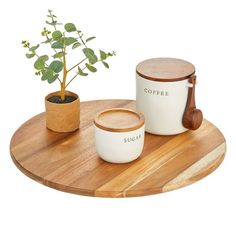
69, 162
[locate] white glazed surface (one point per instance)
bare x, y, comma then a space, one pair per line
162, 104
119, 147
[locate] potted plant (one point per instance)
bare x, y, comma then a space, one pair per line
63, 106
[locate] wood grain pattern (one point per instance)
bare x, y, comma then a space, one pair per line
165, 69
69, 162
119, 120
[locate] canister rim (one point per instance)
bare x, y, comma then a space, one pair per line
165, 69
119, 120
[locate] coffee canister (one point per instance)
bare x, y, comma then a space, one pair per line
165, 95
119, 135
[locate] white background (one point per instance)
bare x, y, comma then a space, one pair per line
202, 32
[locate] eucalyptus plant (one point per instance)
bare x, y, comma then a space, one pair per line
62, 39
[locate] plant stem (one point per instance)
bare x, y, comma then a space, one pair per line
72, 79
54, 26
81, 38
78, 74
63, 84
77, 64
51, 46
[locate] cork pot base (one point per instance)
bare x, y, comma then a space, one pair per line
62, 117
69, 162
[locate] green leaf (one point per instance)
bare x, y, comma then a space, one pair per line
109, 54
105, 64
47, 41
70, 27
44, 58
57, 34
37, 72
103, 55
89, 53
68, 41
57, 45
51, 23
58, 55
56, 66
40, 62
48, 74
80, 72
89, 39
32, 49
76, 45
28, 55
52, 79
91, 68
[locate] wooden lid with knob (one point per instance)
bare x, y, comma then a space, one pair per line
119, 120
165, 69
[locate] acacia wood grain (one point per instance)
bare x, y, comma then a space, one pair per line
119, 120
165, 69
69, 162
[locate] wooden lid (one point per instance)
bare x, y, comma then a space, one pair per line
119, 120
165, 69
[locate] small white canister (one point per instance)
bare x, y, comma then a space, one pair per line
119, 135
165, 89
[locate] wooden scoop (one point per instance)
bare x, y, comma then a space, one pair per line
192, 118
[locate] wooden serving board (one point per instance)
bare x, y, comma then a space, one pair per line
69, 162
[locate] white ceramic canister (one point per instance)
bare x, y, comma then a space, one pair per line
119, 135
165, 89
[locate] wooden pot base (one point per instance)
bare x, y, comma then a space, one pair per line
69, 162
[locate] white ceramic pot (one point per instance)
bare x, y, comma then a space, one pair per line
119, 135
165, 96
